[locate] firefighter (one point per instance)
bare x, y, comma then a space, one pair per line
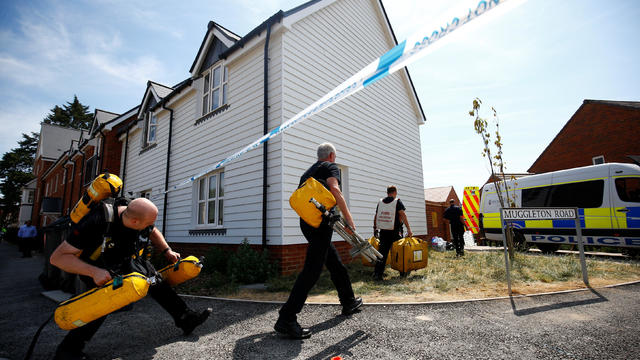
100, 246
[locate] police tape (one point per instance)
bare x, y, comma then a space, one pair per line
393, 60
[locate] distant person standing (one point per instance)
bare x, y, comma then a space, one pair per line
456, 221
388, 220
27, 237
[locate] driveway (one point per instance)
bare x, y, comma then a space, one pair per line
595, 324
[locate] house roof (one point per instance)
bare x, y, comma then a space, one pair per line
626, 104
631, 104
101, 117
438, 194
54, 140
239, 43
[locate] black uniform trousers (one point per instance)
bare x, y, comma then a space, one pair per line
161, 292
457, 231
320, 252
387, 238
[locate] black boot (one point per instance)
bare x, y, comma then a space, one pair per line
191, 319
292, 329
353, 307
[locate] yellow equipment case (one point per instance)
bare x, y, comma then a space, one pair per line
98, 302
409, 254
300, 201
375, 242
183, 270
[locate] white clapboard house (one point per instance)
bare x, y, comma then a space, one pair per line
240, 87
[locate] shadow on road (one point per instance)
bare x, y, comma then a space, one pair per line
281, 347
534, 310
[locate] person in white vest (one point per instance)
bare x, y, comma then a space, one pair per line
387, 223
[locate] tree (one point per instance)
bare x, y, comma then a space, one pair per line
73, 114
16, 165
496, 160
15, 172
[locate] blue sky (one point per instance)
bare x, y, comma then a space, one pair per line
534, 64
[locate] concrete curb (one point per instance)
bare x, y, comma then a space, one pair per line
414, 303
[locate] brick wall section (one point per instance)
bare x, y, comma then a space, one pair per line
441, 227
290, 257
595, 129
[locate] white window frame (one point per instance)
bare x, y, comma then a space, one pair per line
203, 201
597, 160
151, 136
209, 87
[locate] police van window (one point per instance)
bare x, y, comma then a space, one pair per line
535, 197
586, 194
628, 189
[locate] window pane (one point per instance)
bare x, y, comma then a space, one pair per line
224, 93
154, 120
221, 188
220, 211
201, 193
587, 194
535, 197
226, 74
215, 99
206, 84
205, 104
152, 134
216, 77
628, 189
211, 219
201, 213
212, 186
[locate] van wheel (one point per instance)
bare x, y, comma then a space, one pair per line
520, 242
548, 248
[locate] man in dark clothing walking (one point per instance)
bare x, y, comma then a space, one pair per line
456, 221
388, 220
320, 252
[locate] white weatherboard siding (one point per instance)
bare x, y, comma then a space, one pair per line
375, 131
145, 171
198, 146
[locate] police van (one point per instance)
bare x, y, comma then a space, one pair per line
607, 197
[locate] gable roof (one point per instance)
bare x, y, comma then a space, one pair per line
438, 194
289, 17
101, 117
54, 139
625, 104
154, 94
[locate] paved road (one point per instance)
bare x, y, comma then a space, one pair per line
599, 324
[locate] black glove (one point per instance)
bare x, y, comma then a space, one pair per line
375, 232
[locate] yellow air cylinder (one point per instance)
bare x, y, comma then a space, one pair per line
100, 301
299, 201
409, 254
183, 270
104, 186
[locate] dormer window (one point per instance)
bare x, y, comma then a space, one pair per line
151, 124
215, 88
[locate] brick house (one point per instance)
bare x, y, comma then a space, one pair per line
600, 131
436, 201
63, 182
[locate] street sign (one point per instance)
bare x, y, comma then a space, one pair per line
539, 213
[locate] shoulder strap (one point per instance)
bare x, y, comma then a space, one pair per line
109, 216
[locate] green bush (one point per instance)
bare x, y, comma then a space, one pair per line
215, 260
248, 266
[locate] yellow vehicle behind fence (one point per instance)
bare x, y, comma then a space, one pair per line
607, 197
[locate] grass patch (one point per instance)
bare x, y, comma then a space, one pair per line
478, 274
